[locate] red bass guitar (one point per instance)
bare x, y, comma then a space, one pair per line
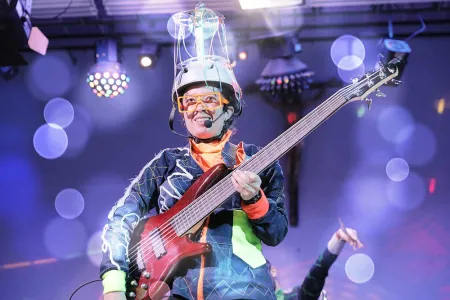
159, 244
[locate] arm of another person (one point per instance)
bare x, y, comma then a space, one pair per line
315, 280
139, 198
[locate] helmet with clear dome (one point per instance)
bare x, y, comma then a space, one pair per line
213, 71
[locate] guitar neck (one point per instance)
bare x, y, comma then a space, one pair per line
217, 195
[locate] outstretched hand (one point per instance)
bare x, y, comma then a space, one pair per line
350, 236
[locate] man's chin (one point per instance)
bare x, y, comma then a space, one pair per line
203, 133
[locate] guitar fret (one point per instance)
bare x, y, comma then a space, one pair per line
214, 197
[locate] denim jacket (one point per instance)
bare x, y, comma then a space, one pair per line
159, 185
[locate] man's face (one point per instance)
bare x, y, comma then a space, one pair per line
198, 113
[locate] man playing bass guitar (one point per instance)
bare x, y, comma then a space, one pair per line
208, 98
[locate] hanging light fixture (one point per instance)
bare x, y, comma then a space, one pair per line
107, 78
284, 73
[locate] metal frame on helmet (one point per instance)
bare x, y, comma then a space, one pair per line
210, 70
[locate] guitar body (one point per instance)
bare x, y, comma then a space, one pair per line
163, 241
152, 269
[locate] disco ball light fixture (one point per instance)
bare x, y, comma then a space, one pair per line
107, 78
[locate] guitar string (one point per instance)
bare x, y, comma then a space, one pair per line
194, 206
146, 244
326, 105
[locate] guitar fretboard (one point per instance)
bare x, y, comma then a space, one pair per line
214, 197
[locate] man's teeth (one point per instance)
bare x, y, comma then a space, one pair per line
202, 119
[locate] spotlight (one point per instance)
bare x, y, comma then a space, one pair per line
146, 61
242, 55
394, 48
148, 54
391, 48
17, 33
107, 78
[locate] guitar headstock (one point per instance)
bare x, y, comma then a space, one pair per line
371, 82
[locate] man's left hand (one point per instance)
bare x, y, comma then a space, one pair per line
246, 183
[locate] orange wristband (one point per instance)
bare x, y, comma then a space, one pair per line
258, 209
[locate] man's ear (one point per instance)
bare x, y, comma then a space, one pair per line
229, 112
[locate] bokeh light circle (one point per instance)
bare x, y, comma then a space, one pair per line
50, 141
395, 124
59, 111
65, 239
69, 203
420, 146
78, 132
49, 76
347, 45
407, 194
349, 67
365, 198
359, 268
397, 169
179, 26
94, 248
105, 186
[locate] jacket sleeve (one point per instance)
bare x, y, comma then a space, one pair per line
272, 227
139, 198
314, 282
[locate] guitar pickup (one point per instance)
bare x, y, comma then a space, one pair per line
157, 243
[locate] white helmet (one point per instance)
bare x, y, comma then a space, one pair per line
213, 71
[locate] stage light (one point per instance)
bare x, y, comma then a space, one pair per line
440, 106
242, 55
285, 75
432, 185
146, 61
107, 78
148, 54
258, 4
395, 48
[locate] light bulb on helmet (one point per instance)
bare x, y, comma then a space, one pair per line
201, 27
205, 22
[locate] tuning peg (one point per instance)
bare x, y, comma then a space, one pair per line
380, 94
396, 82
369, 102
354, 79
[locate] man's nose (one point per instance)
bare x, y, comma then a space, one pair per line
200, 106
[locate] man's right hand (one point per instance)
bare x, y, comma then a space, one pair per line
115, 296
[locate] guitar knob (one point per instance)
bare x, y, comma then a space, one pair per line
146, 274
144, 286
134, 283
131, 294
369, 103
